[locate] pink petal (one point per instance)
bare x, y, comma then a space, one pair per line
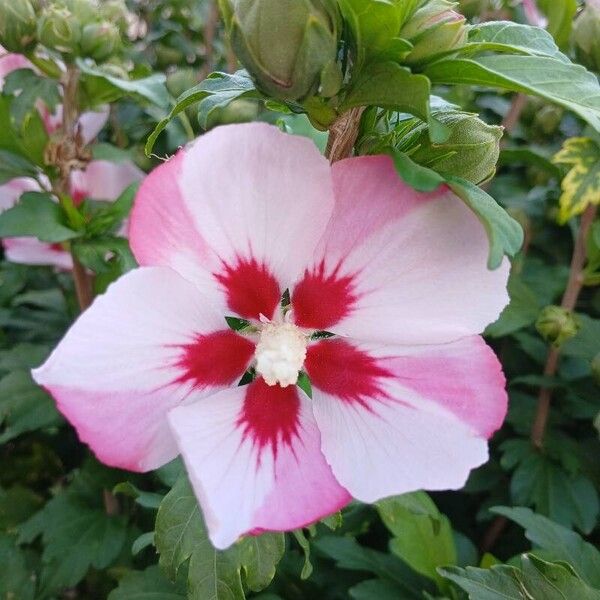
30, 251
243, 201
91, 122
396, 419
399, 266
11, 191
104, 180
253, 456
141, 349
11, 62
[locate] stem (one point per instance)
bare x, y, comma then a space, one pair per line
513, 115
111, 504
342, 134
210, 30
83, 284
569, 301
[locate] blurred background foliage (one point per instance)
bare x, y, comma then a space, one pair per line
525, 525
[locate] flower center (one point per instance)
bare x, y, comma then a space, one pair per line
280, 353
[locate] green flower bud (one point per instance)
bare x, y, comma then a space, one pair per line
471, 151
85, 11
100, 40
434, 28
58, 29
586, 35
596, 368
557, 325
17, 25
116, 12
288, 46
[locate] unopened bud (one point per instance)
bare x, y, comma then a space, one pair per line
116, 12
586, 35
100, 40
85, 11
471, 151
557, 325
17, 25
435, 28
58, 29
288, 46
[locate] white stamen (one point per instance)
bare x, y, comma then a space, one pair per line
280, 353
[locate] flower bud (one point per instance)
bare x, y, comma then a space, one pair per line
557, 325
116, 12
58, 29
586, 35
85, 11
100, 40
433, 29
471, 151
17, 25
288, 46
596, 368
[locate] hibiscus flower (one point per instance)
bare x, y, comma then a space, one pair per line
372, 291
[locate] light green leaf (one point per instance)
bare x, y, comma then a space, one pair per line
38, 215
560, 14
558, 81
504, 233
304, 543
259, 556
558, 542
581, 186
216, 91
418, 177
422, 535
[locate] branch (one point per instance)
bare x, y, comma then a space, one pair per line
342, 135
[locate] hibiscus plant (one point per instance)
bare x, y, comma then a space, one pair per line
298, 299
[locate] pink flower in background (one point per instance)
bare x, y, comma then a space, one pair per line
91, 122
405, 392
101, 180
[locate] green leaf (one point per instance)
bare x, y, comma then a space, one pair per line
213, 575
422, 535
38, 215
556, 490
13, 165
378, 589
76, 537
216, 91
504, 233
24, 406
586, 344
535, 579
303, 542
150, 584
388, 85
30, 87
151, 88
93, 253
16, 505
558, 542
145, 499
522, 311
560, 14
581, 186
17, 577
107, 216
506, 36
375, 25
418, 177
555, 80
350, 555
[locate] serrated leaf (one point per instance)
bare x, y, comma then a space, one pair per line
422, 535
259, 556
76, 537
559, 542
24, 406
150, 584
581, 186
535, 579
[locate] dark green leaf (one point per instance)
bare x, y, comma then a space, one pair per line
17, 578
378, 589
150, 584
94, 253
13, 165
